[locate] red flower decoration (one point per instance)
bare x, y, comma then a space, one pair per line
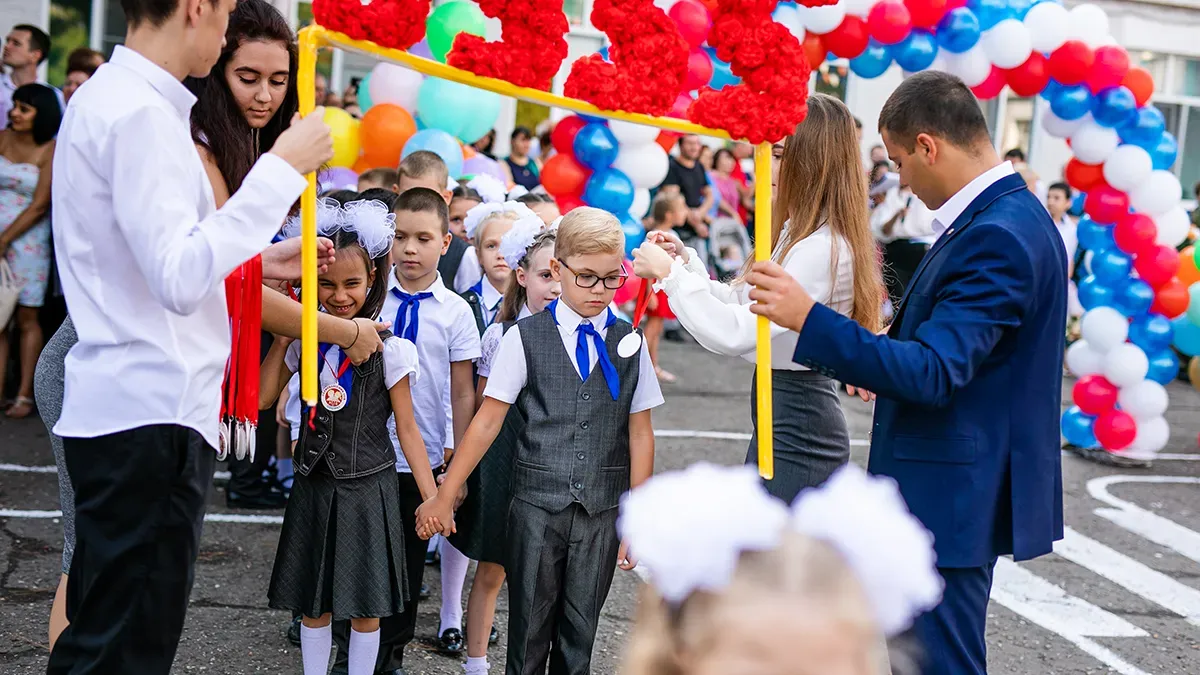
649, 60
396, 24
532, 48
773, 96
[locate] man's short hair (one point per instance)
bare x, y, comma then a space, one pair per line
154, 12
424, 200
84, 60
934, 103
1016, 153
424, 164
588, 230
38, 39
1066, 189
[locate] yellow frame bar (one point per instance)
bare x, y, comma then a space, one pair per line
314, 37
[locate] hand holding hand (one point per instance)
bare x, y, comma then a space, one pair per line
778, 296
650, 261
624, 559
307, 144
367, 341
670, 242
281, 260
435, 517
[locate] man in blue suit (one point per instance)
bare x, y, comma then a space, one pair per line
969, 373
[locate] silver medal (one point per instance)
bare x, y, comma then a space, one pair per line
629, 345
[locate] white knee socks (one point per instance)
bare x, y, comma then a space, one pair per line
315, 644
364, 647
454, 575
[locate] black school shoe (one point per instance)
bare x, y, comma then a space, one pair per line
265, 500
451, 642
293, 632
1105, 458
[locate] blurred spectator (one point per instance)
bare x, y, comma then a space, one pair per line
519, 166
25, 48
322, 88
81, 65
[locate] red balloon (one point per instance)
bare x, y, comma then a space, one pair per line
1139, 81
1109, 68
926, 13
1083, 177
666, 140
1171, 299
1094, 394
955, 4
1106, 204
1071, 63
1115, 429
693, 21
889, 22
849, 39
562, 175
814, 49
990, 87
1157, 265
1029, 78
567, 203
563, 135
700, 70
1134, 233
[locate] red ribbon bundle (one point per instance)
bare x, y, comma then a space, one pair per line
239, 392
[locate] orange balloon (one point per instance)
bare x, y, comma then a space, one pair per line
362, 165
563, 176
1188, 273
1171, 299
384, 130
1083, 176
1139, 81
710, 5
666, 140
468, 151
814, 49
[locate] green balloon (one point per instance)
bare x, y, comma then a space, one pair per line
1196, 254
449, 20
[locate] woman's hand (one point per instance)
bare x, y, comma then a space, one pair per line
669, 242
281, 261
650, 261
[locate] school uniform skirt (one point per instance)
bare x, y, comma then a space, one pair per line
810, 434
482, 519
341, 549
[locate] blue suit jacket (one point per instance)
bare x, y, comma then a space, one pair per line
969, 380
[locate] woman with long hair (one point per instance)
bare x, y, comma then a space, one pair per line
823, 239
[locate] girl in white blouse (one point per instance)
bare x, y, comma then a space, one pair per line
824, 240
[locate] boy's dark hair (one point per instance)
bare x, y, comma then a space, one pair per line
937, 104
380, 195
1016, 153
84, 60
382, 175
38, 39
49, 114
155, 12
423, 163
531, 198
1063, 187
424, 200
342, 197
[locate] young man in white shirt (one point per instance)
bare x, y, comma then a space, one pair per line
143, 256
25, 48
904, 226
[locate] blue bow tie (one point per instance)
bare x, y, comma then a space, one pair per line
410, 303
586, 330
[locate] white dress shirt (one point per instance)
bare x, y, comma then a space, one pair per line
143, 253
490, 298
945, 216
399, 362
447, 333
509, 373
469, 271
490, 344
718, 315
916, 223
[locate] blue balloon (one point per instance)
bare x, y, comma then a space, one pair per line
635, 234
1134, 297
1071, 103
1151, 332
917, 51
364, 94
1050, 90
1078, 200
1093, 236
1187, 336
609, 190
873, 62
441, 144
1077, 426
604, 54
1114, 107
1164, 153
1111, 265
991, 12
722, 72
1145, 129
596, 147
1021, 7
958, 30
461, 111
1164, 367
1093, 294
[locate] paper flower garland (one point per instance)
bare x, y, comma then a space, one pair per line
398, 24
532, 48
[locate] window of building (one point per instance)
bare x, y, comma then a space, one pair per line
1185, 77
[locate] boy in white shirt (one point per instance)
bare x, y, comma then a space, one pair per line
1058, 202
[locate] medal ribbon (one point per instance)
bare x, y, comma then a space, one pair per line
344, 377
643, 302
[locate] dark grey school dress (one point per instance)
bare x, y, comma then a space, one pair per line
48, 390
341, 549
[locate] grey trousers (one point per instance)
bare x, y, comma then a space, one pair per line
560, 569
48, 389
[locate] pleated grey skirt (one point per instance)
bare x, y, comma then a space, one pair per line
482, 520
341, 549
811, 438
48, 390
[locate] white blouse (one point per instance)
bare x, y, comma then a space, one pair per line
718, 315
490, 344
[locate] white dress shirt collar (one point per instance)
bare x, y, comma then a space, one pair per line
490, 296
166, 84
525, 312
569, 320
949, 212
438, 288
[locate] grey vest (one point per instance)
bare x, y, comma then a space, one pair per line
354, 441
575, 444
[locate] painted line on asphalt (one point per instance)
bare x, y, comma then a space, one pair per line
18, 468
1162, 531
248, 519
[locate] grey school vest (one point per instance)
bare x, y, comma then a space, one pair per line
575, 444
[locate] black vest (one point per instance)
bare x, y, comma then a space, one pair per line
448, 264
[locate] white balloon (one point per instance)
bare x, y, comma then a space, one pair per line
972, 66
641, 204
1083, 360
1145, 400
1126, 364
1007, 44
1055, 125
1157, 194
1104, 328
628, 133
1093, 143
1088, 23
1173, 227
390, 83
821, 20
1127, 167
1152, 436
939, 62
1047, 24
860, 8
646, 165
789, 16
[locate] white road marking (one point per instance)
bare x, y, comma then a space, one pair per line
1130, 574
249, 519
18, 468
1148, 525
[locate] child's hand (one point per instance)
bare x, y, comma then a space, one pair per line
624, 560
651, 262
435, 516
668, 241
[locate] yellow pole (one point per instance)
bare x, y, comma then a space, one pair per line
306, 83
762, 253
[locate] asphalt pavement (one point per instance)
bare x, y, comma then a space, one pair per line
1121, 593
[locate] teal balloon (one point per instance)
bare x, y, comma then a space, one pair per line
439, 143
1187, 336
447, 21
1193, 310
461, 111
364, 94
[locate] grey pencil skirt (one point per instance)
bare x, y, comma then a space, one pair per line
811, 438
48, 390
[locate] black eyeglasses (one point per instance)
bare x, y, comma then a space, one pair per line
590, 280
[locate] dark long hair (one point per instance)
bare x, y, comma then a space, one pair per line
343, 242
48, 116
218, 123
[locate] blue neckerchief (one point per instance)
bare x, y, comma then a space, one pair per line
402, 326
584, 330
477, 289
347, 376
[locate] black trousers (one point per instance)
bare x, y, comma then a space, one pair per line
139, 505
902, 257
396, 631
